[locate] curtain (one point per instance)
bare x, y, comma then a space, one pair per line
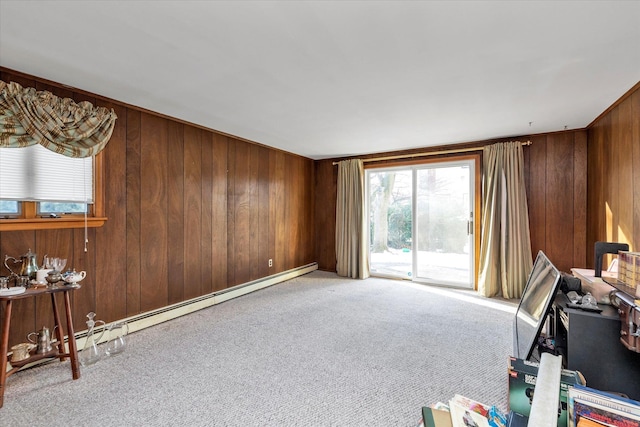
28, 117
352, 255
505, 251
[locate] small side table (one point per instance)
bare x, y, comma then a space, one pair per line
57, 352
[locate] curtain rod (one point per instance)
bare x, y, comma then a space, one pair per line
430, 153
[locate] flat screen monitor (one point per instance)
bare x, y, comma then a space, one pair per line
538, 295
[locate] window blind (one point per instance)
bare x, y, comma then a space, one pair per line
37, 174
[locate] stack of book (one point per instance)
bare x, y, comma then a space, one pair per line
588, 407
462, 412
629, 270
593, 408
554, 403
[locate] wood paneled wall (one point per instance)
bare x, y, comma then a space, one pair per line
556, 178
613, 213
556, 182
190, 211
583, 186
326, 192
193, 211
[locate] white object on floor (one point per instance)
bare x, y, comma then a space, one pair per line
544, 408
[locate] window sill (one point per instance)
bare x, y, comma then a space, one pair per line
49, 223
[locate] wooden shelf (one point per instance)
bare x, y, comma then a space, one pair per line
54, 353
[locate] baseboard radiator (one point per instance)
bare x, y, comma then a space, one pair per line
155, 317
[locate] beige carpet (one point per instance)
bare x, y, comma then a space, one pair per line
318, 350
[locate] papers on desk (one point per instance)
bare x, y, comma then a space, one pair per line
595, 285
12, 291
587, 274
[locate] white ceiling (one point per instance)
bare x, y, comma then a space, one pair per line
336, 78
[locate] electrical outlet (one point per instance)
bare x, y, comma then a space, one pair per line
270, 262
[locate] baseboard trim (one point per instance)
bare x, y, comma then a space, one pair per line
164, 314
155, 317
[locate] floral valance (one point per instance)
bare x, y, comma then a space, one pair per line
29, 117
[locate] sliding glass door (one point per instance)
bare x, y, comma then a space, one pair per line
390, 222
443, 226
421, 222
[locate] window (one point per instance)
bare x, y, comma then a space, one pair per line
9, 208
42, 189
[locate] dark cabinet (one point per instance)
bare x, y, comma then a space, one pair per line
590, 343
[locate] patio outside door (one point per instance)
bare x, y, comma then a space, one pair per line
421, 223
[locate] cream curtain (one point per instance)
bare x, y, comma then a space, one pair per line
505, 252
352, 255
28, 117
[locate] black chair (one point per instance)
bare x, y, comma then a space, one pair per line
602, 248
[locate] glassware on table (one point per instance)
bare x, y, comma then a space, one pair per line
58, 263
91, 353
117, 338
589, 300
22, 281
